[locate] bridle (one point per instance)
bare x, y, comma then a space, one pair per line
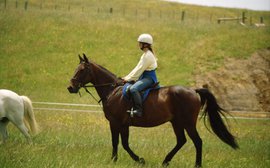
80, 85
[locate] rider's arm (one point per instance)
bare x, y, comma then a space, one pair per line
143, 65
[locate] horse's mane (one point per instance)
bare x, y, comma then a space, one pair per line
105, 70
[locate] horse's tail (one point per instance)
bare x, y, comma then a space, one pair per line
29, 114
214, 110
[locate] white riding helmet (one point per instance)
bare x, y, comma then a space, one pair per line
145, 38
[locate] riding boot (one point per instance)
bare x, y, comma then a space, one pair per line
137, 100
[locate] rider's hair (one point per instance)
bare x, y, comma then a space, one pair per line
149, 46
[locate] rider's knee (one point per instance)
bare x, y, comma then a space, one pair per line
133, 89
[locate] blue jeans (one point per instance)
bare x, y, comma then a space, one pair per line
141, 85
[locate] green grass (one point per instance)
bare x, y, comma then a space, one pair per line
38, 55
83, 140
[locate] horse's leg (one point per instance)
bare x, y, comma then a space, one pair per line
193, 134
181, 140
3, 130
124, 137
115, 141
21, 126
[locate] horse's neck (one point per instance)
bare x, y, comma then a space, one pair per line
103, 77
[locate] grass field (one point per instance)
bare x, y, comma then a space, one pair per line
38, 55
83, 140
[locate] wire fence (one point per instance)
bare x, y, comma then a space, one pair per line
176, 15
92, 108
67, 107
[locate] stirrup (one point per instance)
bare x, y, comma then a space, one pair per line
138, 113
131, 111
134, 112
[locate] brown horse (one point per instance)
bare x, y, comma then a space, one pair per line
175, 104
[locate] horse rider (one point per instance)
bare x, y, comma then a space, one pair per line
144, 74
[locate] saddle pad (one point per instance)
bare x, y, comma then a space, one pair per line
144, 93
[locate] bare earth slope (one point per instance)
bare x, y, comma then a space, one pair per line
241, 85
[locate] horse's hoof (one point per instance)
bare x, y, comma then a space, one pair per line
197, 166
141, 161
165, 164
114, 159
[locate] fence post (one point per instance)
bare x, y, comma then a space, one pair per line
111, 10
261, 20
16, 4
243, 17
25, 5
183, 16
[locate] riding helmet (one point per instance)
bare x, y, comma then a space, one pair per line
145, 38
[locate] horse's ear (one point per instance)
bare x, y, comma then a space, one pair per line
81, 59
85, 58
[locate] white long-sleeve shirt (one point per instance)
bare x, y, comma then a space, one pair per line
148, 62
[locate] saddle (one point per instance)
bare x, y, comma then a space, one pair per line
144, 93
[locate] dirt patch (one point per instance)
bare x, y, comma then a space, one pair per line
241, 85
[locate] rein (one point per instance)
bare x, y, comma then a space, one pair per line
100, 85
88, 86
87, 91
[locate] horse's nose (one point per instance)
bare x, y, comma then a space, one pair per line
71, 90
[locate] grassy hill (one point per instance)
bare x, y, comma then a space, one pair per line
39, 46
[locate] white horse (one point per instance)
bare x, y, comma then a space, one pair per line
18, 110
